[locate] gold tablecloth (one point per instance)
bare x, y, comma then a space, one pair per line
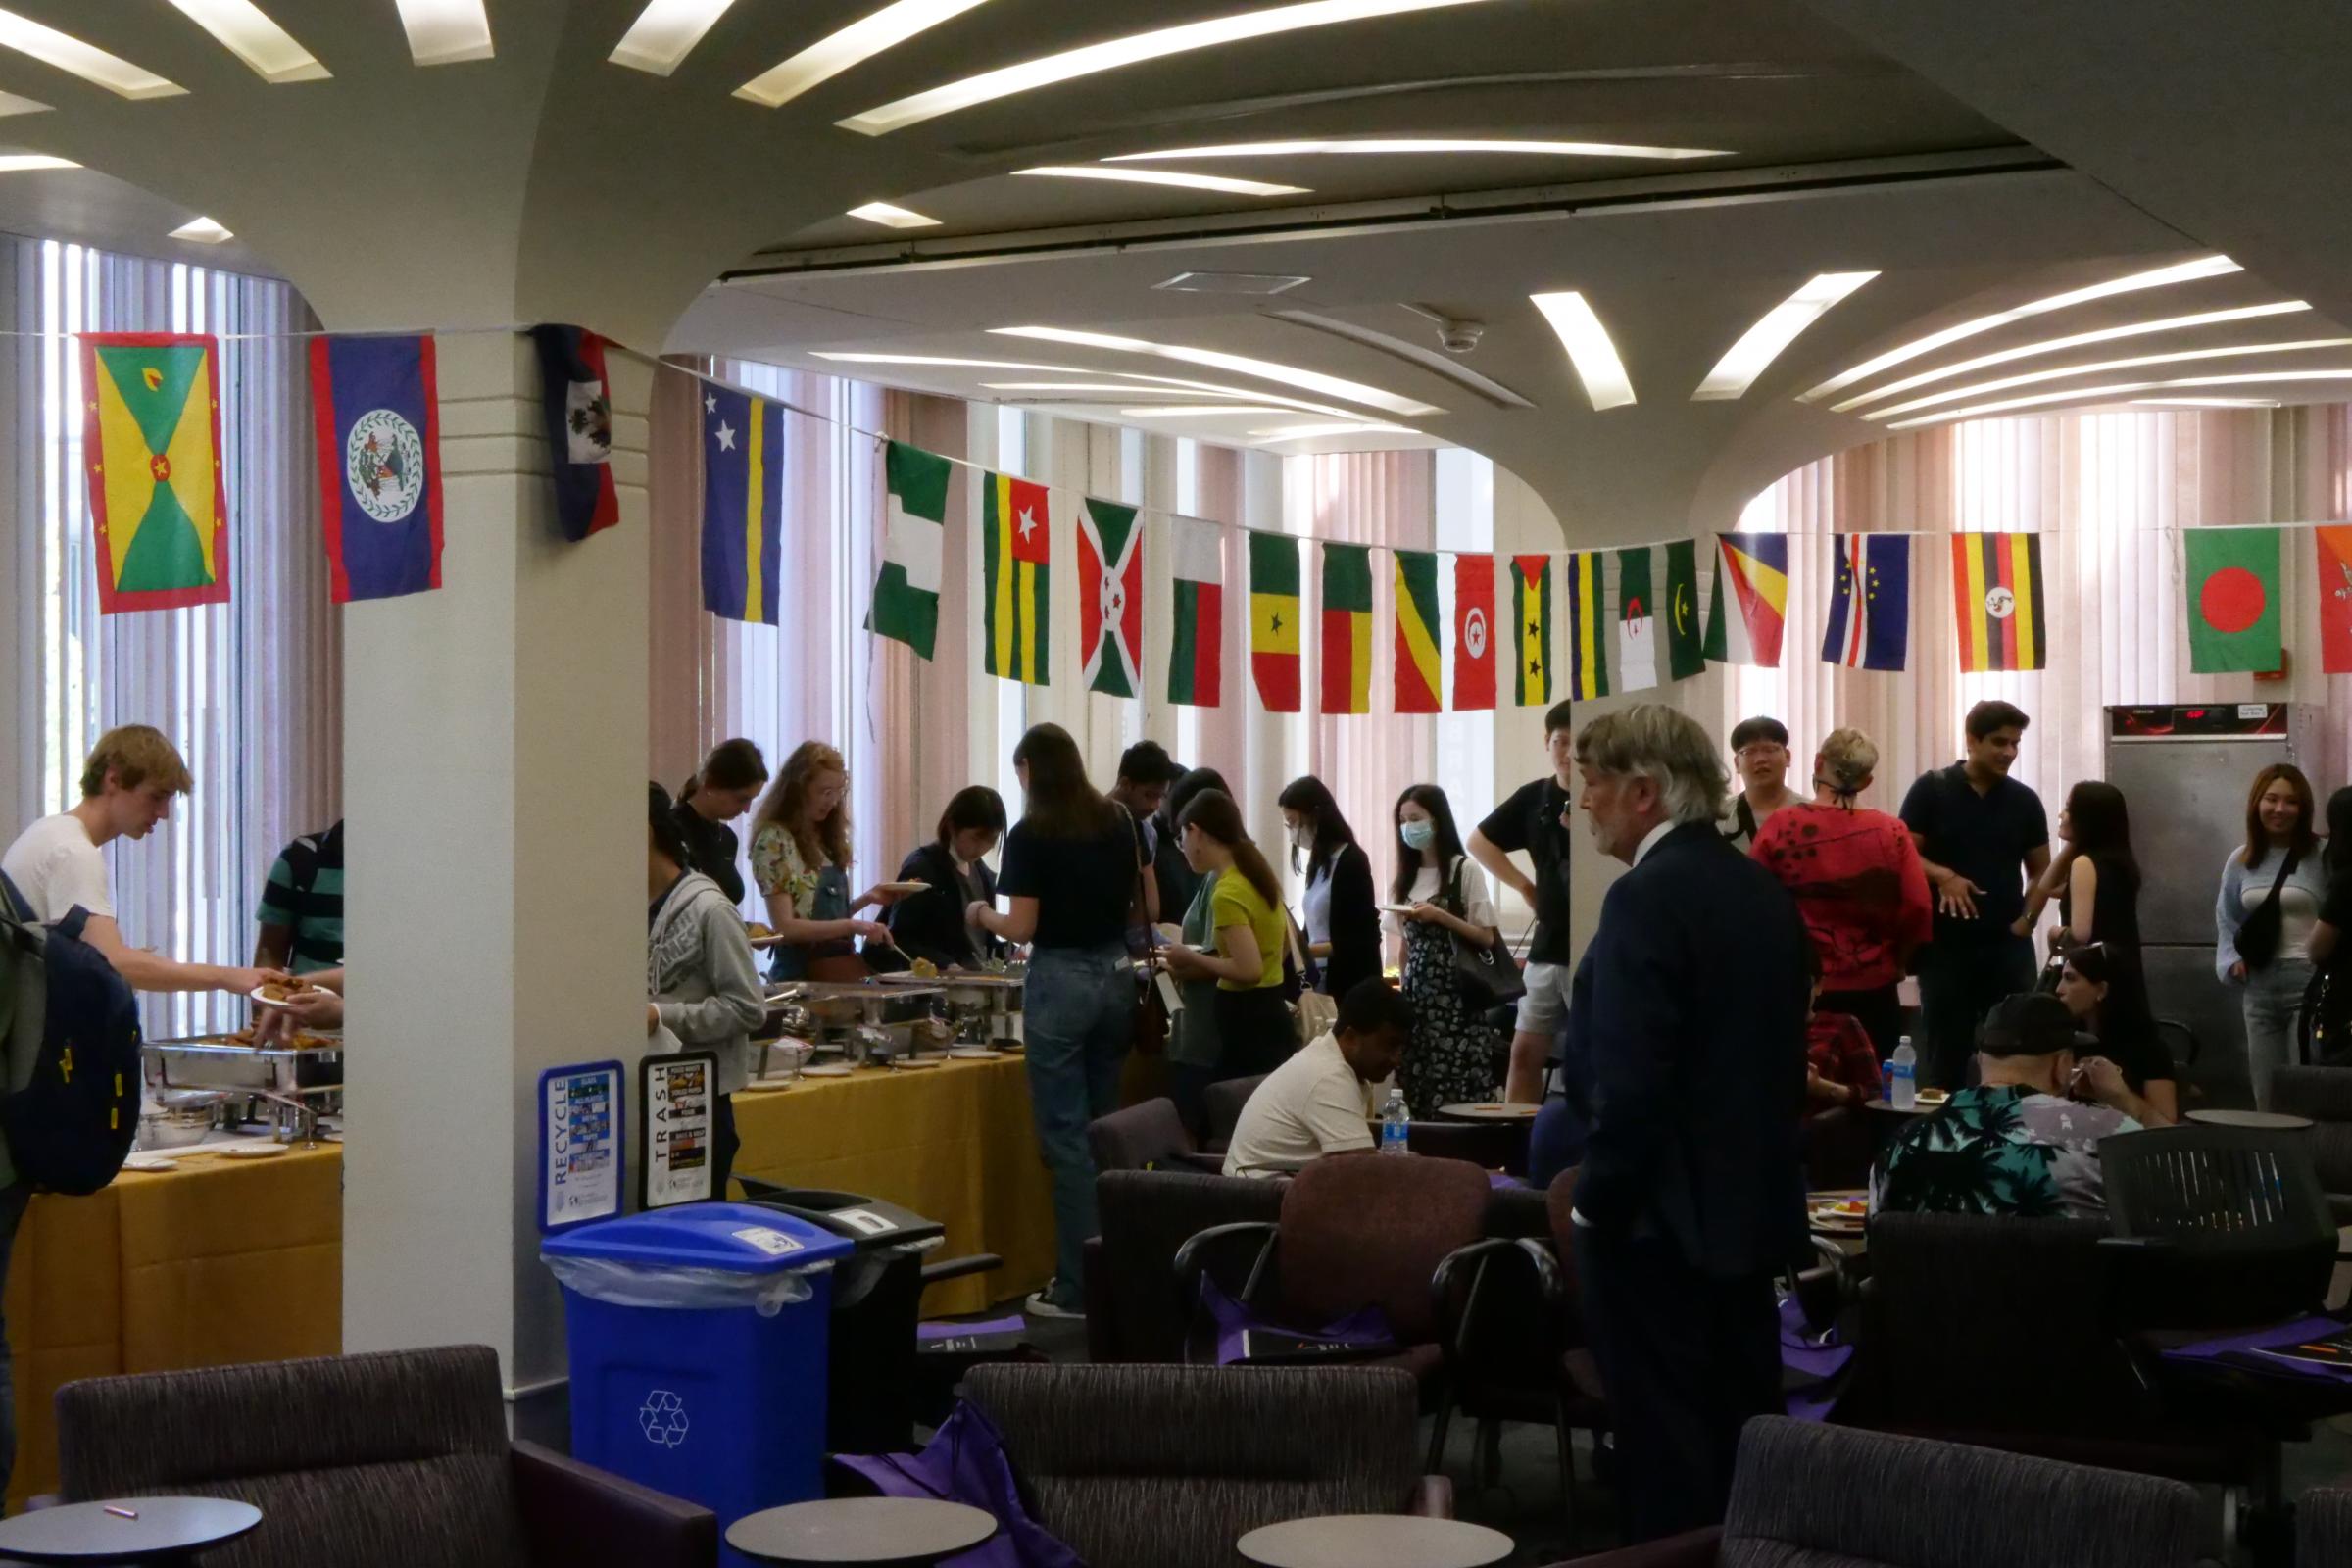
954, 1143
222, 1260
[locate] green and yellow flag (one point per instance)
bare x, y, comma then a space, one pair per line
1015, 561
1347, 629
151, 432
1419, 632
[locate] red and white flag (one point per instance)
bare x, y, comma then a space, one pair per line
1473, 633
1196, 618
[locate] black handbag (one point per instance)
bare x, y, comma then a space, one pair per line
1487, 973
2258, 937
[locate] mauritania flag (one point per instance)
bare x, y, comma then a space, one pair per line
1637, 620
1015, 551
1996, 594
1274, 620
1110, 597
1752, 598
742, 473
151, 434
1196, 611
1686, 655
1870, 602
1418, 633
1347, 629
906, 605
1588, 627
1531, 638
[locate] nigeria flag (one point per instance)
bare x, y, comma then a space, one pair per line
906, 604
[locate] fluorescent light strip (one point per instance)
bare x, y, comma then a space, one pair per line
1589, 347
1155, 177
1195, 413
201, 231
446, 33
844, 357
242, 29
1308, 432
2088, 393
2204, 402
1179, 389
1417, 145
71, 56
2187, 272
890, 216
1763, 342
837, 52
27, 162
2035, 377
13, 104
1238, 364
1134, 49
665, 33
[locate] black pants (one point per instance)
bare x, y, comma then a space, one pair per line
723, 1145
1687, 1358
1959, 981
1254, 1032
1879, 1010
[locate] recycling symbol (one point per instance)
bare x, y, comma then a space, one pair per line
662, 1418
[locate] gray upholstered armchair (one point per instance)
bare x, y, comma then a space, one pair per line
1149, 1466
392, 1460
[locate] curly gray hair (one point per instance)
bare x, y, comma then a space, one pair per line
1664, 745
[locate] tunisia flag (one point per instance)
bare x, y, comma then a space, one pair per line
1473, 633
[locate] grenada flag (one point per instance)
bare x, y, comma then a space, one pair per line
151, 433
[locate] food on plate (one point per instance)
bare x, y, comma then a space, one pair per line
760, 929
1843, 1208
285, 991
923, 969
242, 1037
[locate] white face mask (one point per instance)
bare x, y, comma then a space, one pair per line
1302, 838
1419, 835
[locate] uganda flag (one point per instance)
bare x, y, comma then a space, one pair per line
1274, 620
1418, 629
1588, 627
150, 431
1531, 638
1016, 553
1347, 629
1996, 594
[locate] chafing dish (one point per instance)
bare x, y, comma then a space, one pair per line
286, 1080
983, 1005
855, 1015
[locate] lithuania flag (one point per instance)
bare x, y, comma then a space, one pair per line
151, 430
1274, 620
1347, 629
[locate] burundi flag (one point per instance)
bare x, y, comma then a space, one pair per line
1636, 622
151, 433
1686, 655
1419, 663
1196, 611
1015, 553
905, 604
1996, 594
1751, 596
1110, 597
2233, 601
1870, 602
376, 411
1274, 620
1347, 629
742, 481
2333, 546
1588, 627
1473, 633
1531, 637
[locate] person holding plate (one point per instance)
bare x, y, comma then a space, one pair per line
1442, 899
800, 859
954, 867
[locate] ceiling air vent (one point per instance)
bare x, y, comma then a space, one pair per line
1231, 283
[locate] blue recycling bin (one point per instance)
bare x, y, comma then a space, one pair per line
698, 1344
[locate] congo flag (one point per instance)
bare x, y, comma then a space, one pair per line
151, 430
1419, 632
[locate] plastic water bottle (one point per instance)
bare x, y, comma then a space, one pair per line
1902, 1075
1393, 1120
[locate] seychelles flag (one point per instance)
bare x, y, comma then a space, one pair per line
743, 465
378, 424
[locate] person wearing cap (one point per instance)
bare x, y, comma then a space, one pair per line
2015, 1144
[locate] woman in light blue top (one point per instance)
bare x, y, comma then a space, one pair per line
2281, 851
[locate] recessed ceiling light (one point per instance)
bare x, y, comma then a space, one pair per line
11, 104
2187, 272
201, 231
837, 52
1136, 386
71, 56
847, 356
1113, 53
1238, 364
1255, 283
1762, 343
1415, 145
1164, 176
242, 29
1195, 413
893, 217
27, 162
1307, 432
2204, 402
446, 33
2109, 393
2035, 378
1589, 347
665, 33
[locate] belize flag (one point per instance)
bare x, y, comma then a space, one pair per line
378, 424
743, 474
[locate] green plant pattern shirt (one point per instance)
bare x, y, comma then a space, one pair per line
2002, 1150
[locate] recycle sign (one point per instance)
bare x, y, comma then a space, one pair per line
662, 1418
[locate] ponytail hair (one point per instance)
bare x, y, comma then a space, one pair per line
1213, 812
734, 764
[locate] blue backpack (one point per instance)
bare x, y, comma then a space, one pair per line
71, 1121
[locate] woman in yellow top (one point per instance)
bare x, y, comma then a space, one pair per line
1253, 1017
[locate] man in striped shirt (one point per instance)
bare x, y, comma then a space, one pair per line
301, 909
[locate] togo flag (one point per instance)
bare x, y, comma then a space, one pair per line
1347, 629
906, 604
374, 408
1751, 599
1196, 611
1636, 622
1531, 617
1588, 627
1419, 630
151, 434
1016, 550
2233, 600
1110, 597
742, 469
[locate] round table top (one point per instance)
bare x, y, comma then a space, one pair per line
2270, 1120
1490, 1110
98, 1531
1916, 1108
861, 1529
1393, 1540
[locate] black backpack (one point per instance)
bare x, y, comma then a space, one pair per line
70, 1121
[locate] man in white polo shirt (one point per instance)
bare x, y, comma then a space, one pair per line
1319, 1102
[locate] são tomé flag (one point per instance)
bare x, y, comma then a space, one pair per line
1473, 633
2233, 601
151, 433
1996, 595
1347, 629
1274, 620
742, 473
1588, 627
1751, 599
1418, 632
1016, 553
1531, 639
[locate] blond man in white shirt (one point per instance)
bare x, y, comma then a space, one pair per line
1319, 1103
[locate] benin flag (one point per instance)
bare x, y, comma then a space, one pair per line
1015, 534
1473, 633
2334, 548
1196, 613
1588, 627
1996, 594
1418, 630
1530, 641
151, 430
2233, 600
1751, 599
1347, 629
1274, 620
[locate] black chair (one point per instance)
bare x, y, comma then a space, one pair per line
1148, 1135
1133, 1312
2323, 1095
2324, 1529
2220, 1226
1221, 1105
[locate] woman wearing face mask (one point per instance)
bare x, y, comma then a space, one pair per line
1456, 1056
1343, 928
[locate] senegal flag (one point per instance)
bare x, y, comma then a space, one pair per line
1016, 553
1418, 630
151, 433
1347, 629
1531, 612
1274, 620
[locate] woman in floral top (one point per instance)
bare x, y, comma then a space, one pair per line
800, 858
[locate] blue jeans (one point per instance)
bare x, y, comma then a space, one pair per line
2272, 1001
1077, 1022
12, 1212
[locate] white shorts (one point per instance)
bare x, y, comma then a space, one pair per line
1544, 1008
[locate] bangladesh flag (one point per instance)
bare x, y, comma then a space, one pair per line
1418, 633
1196, 613
906, 604
1274, 620
151, 434
1347, 629
2233, 601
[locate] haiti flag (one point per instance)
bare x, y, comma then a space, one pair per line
380, 463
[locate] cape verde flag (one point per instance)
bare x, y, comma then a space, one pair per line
1870, 602
743, 471
378, 424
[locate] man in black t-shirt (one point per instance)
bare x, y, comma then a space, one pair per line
1534, 819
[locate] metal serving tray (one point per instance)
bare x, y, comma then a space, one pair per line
210, 1062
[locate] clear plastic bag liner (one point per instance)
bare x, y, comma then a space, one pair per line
683, 1289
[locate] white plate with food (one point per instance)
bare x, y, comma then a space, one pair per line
975, 1053
826, 1069
150, 1162
255, 1151
1842, 1213
277, 996
762, 937
1393, 908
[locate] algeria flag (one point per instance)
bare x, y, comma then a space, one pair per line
906, 604
1637, 620
1110, 597
2233, 601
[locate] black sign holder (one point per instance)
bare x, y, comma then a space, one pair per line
679, 1094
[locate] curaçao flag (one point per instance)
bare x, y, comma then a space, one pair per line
1588, 627
1752, 598
1870, 602
1015, 557
377, 415
151, 434
1420, 632
743, 477
1347, 629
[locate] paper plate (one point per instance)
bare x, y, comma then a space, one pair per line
829, 1070
763, 1086
975, 1053
904, 887
255, 1151
157, 1162
912, 1062
261, 1000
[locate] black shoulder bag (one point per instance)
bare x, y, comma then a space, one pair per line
1488, 974
2258, 937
